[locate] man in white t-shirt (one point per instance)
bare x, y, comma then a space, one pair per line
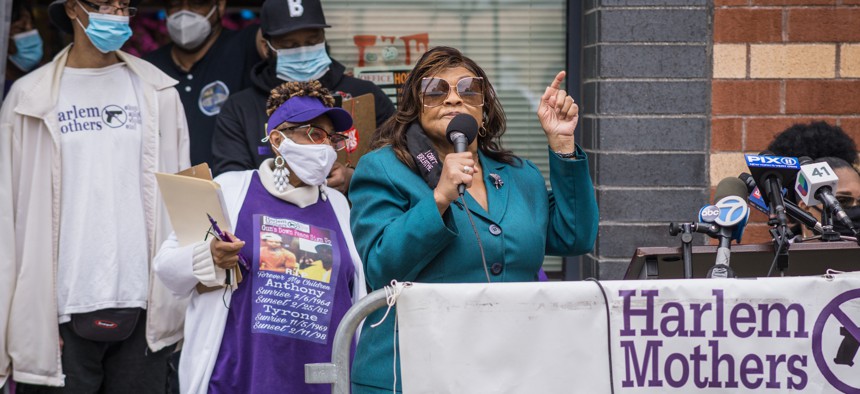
80, 141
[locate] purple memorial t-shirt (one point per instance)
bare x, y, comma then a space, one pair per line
286, 310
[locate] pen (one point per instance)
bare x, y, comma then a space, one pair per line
226, 238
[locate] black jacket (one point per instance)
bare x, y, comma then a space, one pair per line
240, 127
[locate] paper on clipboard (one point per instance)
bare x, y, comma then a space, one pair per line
189, 195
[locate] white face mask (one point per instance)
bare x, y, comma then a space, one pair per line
310, 163
189, 29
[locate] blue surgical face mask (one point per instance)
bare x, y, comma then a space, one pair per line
108, 33
29, 50
302, 64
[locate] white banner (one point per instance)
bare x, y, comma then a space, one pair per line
772, 335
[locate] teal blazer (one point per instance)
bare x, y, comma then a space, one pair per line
400, 235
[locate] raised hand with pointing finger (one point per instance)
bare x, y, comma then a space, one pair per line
558, 115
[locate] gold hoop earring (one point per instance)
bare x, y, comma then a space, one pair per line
482, 132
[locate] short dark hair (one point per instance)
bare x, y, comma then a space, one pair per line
815, 140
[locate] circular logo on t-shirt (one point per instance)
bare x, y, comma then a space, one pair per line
212, 97
114, 116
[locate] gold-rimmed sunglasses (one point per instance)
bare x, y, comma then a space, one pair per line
435, 90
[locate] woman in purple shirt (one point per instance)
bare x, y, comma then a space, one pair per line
257, 335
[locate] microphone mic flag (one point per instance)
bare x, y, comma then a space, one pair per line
461, 131
730, 199
733, 215
770, 173
816, 183
757, 201
812, 178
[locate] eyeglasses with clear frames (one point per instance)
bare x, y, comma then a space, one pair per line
109, 9
315, 134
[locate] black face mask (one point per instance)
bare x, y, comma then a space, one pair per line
854, 214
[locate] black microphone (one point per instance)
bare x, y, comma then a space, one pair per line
791, 208
815, 185
770, 173
461, 131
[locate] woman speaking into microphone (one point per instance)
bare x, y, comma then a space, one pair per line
412, 224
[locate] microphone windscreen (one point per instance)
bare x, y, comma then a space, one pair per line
731, 186
804, 160
465, 124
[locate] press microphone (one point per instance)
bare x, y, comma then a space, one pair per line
733, 214
731, 187
791, 208
770, 173
461, 131
815, 185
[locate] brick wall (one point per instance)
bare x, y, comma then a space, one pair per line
646, 84
776, 63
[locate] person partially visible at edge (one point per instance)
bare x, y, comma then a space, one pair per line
81, 139
294, 34
815, 140
414, 226
847, 193
209, 62
25, 44
261, 343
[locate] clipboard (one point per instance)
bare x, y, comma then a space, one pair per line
189, 196
363, 112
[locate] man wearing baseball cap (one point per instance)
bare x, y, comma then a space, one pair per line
81, 140
294, 33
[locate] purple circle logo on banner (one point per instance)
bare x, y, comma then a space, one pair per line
835, 341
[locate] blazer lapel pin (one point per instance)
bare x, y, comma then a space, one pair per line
497, 180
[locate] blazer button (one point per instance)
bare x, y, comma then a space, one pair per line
495, 230
496, 268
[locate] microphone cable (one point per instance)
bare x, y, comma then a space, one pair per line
782, 241
608, 333
475, 230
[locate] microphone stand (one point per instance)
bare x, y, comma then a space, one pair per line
721, 268
780, 247
777, 218
828, 235
687, 246
686, 230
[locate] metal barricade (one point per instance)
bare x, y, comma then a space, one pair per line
337, 372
